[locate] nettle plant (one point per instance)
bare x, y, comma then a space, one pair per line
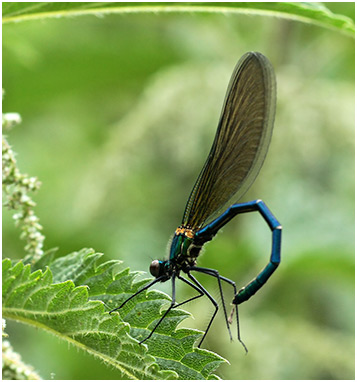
70, 296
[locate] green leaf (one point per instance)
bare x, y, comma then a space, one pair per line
71, 299
312, 13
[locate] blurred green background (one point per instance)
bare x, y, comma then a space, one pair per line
119, 113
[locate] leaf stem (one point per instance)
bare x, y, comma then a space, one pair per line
308, 13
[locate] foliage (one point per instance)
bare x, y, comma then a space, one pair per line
13, 368
307, 12
72, 303
16, 187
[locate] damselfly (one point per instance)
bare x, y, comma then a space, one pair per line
237, 154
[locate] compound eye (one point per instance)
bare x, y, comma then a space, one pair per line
155, 268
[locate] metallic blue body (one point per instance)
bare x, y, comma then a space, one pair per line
212, 228
179, 246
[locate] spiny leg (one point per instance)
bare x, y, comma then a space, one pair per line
173, 306
138, 292
192, 286
168, 310
235, 307
211, 299
215, 273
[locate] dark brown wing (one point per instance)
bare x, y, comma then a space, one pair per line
241, 142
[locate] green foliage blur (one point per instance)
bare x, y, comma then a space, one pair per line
119, 113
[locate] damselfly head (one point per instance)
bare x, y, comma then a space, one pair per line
159, 268
155, 268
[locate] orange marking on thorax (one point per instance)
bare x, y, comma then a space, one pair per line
186, 231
